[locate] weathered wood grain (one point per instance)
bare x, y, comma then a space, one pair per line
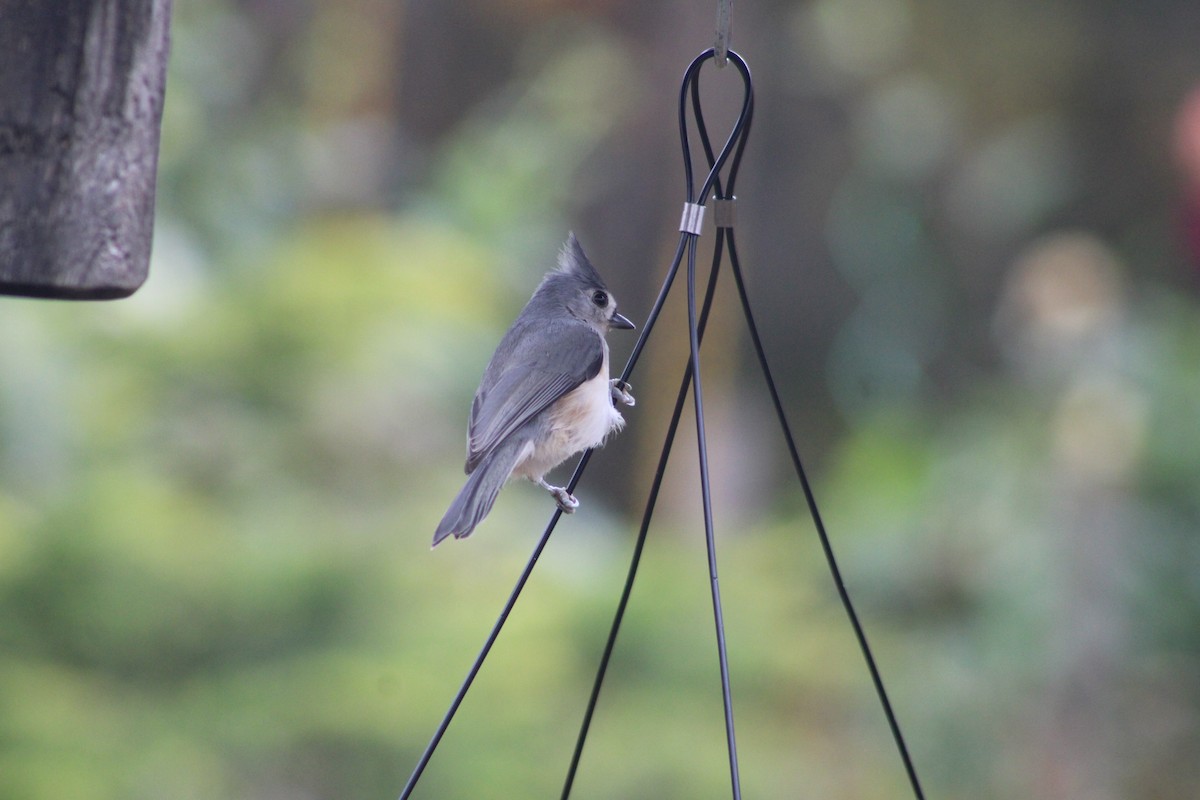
81, 98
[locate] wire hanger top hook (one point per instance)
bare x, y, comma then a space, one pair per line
689, 98
724, 31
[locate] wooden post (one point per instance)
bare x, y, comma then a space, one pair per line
81, 97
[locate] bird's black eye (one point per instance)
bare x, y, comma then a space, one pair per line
600, 298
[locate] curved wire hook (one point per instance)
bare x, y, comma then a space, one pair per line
734, 146
742, 137
737, 136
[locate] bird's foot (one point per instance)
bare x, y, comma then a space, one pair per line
565, 500
621, 392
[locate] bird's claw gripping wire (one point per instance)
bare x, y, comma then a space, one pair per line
565, 500
622, 392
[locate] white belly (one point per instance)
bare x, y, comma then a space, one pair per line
582, 418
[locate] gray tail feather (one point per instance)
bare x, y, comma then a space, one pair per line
477, 496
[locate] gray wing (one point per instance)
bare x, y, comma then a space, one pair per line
543, 366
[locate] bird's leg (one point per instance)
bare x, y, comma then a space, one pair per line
621, 392
566, 501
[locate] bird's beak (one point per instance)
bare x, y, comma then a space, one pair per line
622, 322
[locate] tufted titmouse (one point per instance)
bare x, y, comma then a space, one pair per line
545, 395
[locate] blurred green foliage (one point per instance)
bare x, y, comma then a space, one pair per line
216, 497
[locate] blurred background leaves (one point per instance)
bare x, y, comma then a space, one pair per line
970, 233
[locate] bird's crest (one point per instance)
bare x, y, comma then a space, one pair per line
573, 261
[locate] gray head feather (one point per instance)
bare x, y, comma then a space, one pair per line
576, 288
573, 261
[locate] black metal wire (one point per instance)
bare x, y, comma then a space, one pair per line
709, 536
736, 141
831, 560
810, 498
483, 653
733, 148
